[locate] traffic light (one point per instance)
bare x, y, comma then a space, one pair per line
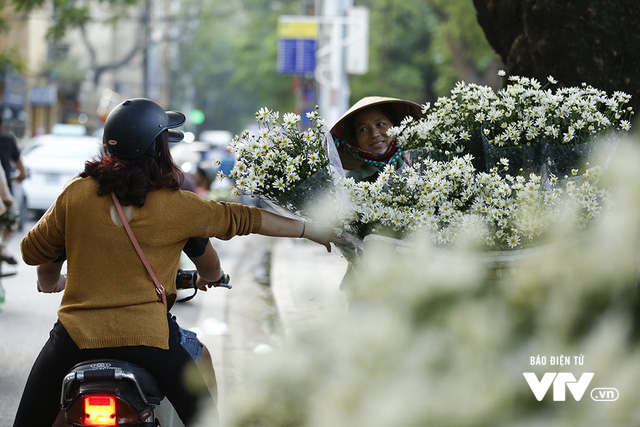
196, 116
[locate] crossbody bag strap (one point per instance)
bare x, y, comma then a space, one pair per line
159, 288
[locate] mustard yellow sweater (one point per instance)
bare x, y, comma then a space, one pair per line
110, 300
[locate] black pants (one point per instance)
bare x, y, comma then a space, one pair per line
40, 401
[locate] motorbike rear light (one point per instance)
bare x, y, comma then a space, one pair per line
86, 410
99, 410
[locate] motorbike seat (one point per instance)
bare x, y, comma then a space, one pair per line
101, 369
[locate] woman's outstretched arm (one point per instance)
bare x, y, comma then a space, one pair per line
280, 226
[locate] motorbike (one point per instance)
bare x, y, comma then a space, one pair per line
108, 392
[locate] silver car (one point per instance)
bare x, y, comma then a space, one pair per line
50, 161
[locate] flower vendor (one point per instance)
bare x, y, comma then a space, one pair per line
361, 135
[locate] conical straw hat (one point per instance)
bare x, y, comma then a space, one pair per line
403, 108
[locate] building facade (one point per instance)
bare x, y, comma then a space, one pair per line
78, 79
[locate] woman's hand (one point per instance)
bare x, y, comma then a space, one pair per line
204, 284
49, 279
208, 266
319, 234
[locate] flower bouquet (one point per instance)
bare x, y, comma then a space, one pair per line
495, 165
524, 122
284, 165
451, 200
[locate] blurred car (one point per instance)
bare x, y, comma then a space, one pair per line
50, 161
220, 141
189, 155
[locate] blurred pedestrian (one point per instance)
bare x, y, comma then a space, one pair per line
9, 159
6, 199
205, 176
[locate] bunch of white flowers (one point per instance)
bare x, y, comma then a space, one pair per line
273, 163
520, 129
448, 199
522, 113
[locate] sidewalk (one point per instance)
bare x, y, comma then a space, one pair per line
305, 281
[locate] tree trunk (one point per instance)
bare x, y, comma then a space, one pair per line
589, 41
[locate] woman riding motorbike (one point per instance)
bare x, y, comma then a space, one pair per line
205, 258
110, 308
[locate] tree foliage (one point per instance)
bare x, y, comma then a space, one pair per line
226, 51
227, 65
69, 14
10, 60
231, 54
419, 49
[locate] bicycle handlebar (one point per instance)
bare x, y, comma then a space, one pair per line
186, 279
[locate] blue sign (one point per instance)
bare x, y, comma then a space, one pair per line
296, 56
15, 88
45, 96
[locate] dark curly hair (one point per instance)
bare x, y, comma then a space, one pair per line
132, 179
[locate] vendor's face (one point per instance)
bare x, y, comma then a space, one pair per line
371, 127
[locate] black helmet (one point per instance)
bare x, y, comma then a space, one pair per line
133, 125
